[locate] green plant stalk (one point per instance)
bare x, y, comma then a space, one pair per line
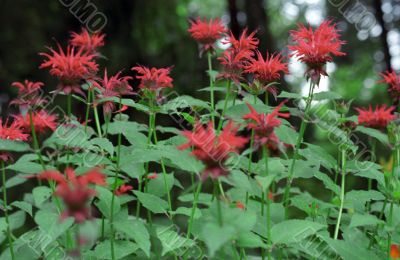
342, 192
162, 165
69, 105
219, 210
196, 197
299, 141
9, 235
390, 222
96, 117
373, 146
268, 213
250, 156
227, 96
211, 87
112, 238
87, 110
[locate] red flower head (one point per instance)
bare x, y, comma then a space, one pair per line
266, 70
235, 57
41, 120
114, 86
206, 32
70, 67
28, 94
378, 118
393, 80
211, 149
10, 132
75, 191
86, 41
123, 189
316, 48
395, 251
153, 79
264, 125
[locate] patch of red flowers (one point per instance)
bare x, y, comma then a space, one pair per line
266, 70
123, 189
71, 67
28, 94
86, 41
395, 251
393, 80
75, 191
41, 120
264, 125
206, 32
378, 118
114, 86
214, 150
153, 79
316, 48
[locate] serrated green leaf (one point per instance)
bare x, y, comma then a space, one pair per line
293, 231
151, 202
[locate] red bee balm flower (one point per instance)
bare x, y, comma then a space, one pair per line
11, 132
264, 125
114, 86
86, 41
70, 67
211, 149
123, 189
206, 32
393, 80
395, 251
266, 70
152, 78
316, 48
245, 42
378, 118
28, 94
74, 191
41, 120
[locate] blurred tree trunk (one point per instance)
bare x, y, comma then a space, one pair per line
385, 44
233, 11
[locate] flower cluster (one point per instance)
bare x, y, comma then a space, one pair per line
75, 191
10, 132
378, 118
206, 33
393, 80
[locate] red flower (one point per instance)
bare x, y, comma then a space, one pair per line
74, 191
316, 48
378, 118
70, 67
153, 79
206, 32
28, 94
114, 86
12, 132
211, 149
152, 176
393, 80
264, 126
88, 42
240, 205
266, 70
395, 251
235, 57
123, 189
41, 120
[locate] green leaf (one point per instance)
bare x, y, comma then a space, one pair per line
104, 202
381, 137
250, 240
187, 212
157, 186
294, 231
359, 220
151, 202
51, 224
285, 94
25, 206
216, 236
326, 95
265, 181
286, 134
13, 146
122, 249
41, 194
347, 251
184, 102
328, 183
26, 167
135, 229
103, 144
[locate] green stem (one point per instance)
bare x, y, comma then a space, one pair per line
228, 92
211, 87
342, 191
87, 110
196, 197
299, 141
69, 105
216, 191
265, 154
9, 235
113, 190
250, 156
96, 117
390, 222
